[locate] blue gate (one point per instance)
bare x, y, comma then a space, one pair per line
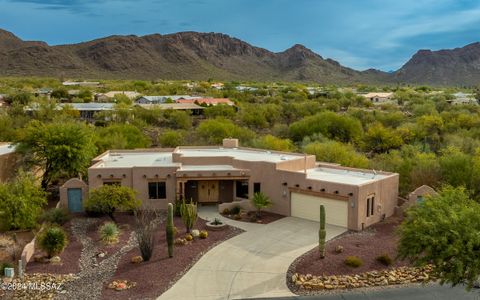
75, 200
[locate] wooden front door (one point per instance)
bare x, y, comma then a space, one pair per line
208, 191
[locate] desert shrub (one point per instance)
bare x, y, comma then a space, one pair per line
203, 234
235, 210
145, 224
55, 216
385, 259
353, 261
3, 266
53, 240
226, 211
109, 232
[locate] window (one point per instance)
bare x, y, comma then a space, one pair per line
157, 190
256, 187
372, 205
368, 207
112, 182
241, 189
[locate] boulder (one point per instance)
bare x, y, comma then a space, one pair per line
136, 259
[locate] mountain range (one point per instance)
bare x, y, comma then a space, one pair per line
200, 56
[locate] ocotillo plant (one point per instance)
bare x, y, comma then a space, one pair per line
322, 234
170, 229
189, 214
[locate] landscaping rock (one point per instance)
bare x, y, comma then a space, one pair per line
400, 275
338, 249
55, 260
136, 259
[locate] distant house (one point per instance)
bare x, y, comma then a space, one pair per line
129, 94
194, 108
208, 101
242, 88
217, 85
8, 161
87, 110
463, 98
43, 92
378, 98
162, 99
81, 83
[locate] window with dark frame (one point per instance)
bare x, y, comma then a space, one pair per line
241, 189
372, 206
368, 207
256, 187
157, 190
112, 182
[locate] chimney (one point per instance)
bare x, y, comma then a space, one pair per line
230, 143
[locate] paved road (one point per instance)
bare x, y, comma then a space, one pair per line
252, 264
433, 292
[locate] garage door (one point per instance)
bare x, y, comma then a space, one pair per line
308, 207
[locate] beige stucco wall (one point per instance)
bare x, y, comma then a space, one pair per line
8, 165
74, 183
423, 190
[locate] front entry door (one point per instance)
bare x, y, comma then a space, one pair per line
208, 191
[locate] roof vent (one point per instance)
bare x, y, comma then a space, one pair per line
283, 157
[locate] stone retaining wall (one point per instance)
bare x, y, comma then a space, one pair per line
400, 275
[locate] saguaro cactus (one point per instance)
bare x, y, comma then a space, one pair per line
170, 229
322, 234
189, 215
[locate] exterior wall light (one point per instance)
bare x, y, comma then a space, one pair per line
352, 204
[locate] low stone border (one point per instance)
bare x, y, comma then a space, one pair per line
401, 275
216, 227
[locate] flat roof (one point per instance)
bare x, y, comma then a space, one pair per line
136, 159
239, 153
179, 106
207, 168
342, 175
6, 148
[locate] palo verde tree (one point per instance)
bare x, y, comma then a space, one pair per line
109, 198
58, 149
444, 231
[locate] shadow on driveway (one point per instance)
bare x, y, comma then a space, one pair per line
433, 292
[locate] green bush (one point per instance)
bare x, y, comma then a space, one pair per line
353, 261
109, 232
55, 216
52, 240
235, 210
3, 266
385, 259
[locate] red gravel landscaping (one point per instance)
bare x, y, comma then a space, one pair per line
157, 275
69, 256
265, 217
377, 240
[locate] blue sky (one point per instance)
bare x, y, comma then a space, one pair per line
361, 34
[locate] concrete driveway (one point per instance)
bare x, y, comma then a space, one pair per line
252, 264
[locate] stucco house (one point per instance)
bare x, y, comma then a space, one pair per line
379, 98
229, 175
8, 161
162, 99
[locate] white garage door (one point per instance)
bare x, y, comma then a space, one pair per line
308, 207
